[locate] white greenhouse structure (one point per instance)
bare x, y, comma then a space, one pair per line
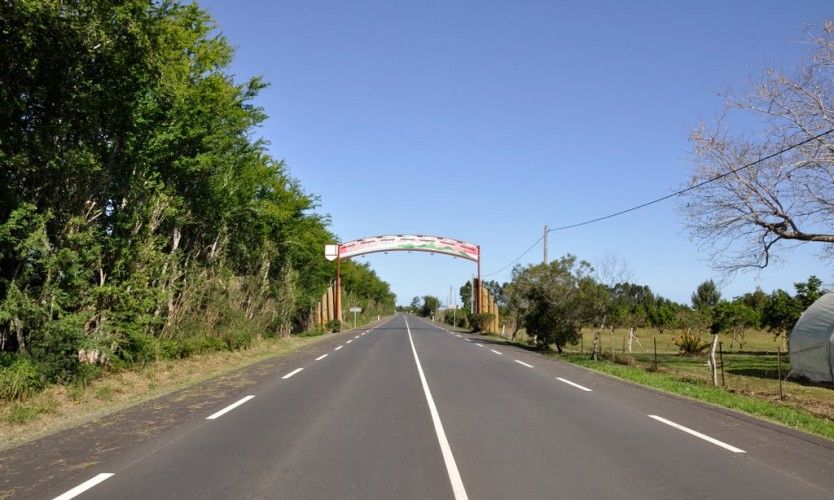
812, 342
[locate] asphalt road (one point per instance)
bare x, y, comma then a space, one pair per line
411, 410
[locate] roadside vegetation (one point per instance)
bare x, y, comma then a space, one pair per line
141, 219
627, 331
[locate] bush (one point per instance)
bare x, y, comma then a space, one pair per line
480, 321
140, 348
54, 348
236, 340
456, 320
691, 345
334, 325
20, 378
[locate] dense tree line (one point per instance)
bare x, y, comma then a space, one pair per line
139, 215
554, 301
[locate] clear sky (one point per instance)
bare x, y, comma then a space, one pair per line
486, 120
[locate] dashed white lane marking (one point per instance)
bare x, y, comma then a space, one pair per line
448, 458
456, 335
86, 485
479, 345
468, 340
356, 337
290, 374
321, 357
496, 352
523, 363
698, 434
229, 408
349, 341
574, 384
336, 349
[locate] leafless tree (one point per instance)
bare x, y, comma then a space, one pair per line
751, 217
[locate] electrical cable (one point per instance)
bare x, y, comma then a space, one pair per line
666, 197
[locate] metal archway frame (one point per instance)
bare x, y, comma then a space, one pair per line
403, 243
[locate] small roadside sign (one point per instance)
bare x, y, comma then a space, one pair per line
331, 252
355, 310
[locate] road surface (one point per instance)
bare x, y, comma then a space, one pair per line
410, 410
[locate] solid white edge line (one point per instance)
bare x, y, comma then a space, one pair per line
321, 357
523, 363
698, 434
336, 349
448, 458
229, 408
290, 374
574, 384
86, 485
496, 352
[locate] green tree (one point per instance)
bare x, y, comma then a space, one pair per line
553, 316
733, 318
809, 291
706, 296
139, 211
430, 305
663, 314
781, 312
465, 293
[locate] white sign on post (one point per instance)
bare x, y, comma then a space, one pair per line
331, 252
355, 310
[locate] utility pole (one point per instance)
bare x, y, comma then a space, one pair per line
546, 230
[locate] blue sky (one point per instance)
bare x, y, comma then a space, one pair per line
484, 121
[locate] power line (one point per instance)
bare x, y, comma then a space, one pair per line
517, 258
666, 197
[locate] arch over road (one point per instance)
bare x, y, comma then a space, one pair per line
403, 243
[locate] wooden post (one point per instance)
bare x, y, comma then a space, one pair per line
654, 364
477, 291
721, 360
779, 371
330, 310
338, 309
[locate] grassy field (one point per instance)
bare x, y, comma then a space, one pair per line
750, 374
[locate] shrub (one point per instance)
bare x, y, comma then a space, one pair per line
334, 325
139, 348
691, 345
480, 321
20, 379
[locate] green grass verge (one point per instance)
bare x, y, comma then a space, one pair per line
770, 410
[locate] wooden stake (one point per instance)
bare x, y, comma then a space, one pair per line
779, 369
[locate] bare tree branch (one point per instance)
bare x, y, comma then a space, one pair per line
746, 218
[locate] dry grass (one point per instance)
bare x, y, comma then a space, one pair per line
60, 407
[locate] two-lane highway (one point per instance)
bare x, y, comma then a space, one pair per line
411, 410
